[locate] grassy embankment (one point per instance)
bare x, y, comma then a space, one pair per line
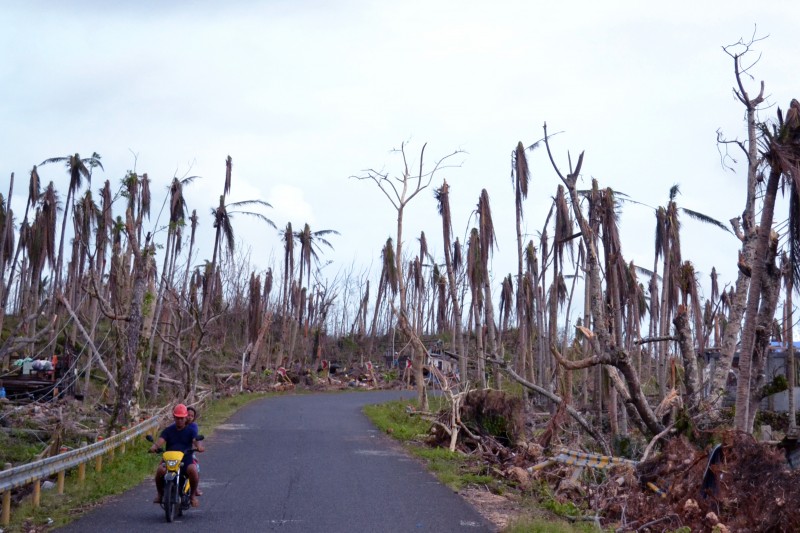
539, 511
119, 474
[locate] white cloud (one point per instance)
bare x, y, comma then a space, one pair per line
290, 205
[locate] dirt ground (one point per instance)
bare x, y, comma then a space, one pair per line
499, 510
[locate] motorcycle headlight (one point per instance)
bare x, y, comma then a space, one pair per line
172, 464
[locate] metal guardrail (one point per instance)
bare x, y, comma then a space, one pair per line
592, 460
34, 472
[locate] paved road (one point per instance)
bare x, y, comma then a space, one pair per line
304, 463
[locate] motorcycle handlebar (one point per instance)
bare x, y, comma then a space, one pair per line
161, 450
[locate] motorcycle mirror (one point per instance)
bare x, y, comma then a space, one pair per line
149, 437
200, 437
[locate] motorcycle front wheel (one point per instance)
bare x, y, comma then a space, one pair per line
172, 501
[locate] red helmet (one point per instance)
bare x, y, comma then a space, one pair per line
180, 411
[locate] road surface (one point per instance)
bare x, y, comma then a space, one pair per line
301, 463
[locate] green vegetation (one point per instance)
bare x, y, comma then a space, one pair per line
564, 509
124, 472
17, 447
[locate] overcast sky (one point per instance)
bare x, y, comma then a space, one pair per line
304, 94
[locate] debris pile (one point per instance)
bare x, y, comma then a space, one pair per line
735, 484
739, 485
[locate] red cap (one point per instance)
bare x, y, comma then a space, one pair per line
180, 411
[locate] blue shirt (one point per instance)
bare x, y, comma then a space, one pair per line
180, 440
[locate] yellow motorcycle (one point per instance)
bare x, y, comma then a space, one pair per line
177, 490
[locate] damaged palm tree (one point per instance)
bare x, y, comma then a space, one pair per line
781, 154
606, 348
442, 195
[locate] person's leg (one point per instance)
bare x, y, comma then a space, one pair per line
160, 482
197, 491
194, 481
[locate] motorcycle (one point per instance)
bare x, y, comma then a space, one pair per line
177, 491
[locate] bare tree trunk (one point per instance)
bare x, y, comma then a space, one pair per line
757, 280
764, 322
127, 405
790, 363
691, 377
7, 228
491, 336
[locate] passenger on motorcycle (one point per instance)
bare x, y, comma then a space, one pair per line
191, 420
179, 436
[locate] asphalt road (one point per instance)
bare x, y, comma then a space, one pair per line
304, 463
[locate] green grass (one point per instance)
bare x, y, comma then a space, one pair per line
124, 472
537, 525
448, 466
392, 418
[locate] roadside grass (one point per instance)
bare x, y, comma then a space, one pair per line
540, 511
119, 474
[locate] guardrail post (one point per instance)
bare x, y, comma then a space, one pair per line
37, 493
6, 518
61, 474
111, 451
98, 463
122, 446
82, 468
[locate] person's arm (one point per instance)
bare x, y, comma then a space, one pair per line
160, 443
196, 444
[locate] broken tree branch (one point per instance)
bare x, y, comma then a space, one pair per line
555, 399
88, 338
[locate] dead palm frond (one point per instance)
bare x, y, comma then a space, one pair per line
34, 187
228, 172
706, 219
144, 196
506, 298
486, 231
520, 176
475, 274
423, 248
46, 232
458, 256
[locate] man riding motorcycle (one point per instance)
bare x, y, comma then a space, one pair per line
179, 436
